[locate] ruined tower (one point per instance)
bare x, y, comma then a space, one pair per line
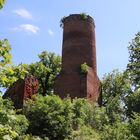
79, 47
22, 90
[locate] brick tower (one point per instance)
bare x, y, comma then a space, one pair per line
78, 47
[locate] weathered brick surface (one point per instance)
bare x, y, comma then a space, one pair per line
72, 84
21, 90
79, 46
93, 86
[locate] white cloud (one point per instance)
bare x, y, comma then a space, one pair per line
23, 13
50, 32
28, 28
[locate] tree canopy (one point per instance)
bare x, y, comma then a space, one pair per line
46, 71
5, 55
133, 66
1, 3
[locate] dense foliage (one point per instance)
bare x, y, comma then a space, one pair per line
12, 125
52, 118
133, 74
5, 56
49, 116
5, 59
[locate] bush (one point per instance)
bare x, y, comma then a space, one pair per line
85, 133
7, 134
96, 117
55, 118
11, 124
117, 131
84, 16
84, 68
49, 116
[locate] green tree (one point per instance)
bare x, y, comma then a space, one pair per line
12, 125
5, 59
89, 115
117, 131
96, 117
133, 66
1, 3
46, 71
115, 88
114, 84
5, 55
134, 125
132, 100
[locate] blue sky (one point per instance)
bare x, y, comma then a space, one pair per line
33, 26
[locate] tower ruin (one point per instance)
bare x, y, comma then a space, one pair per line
79, 47
21, 90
